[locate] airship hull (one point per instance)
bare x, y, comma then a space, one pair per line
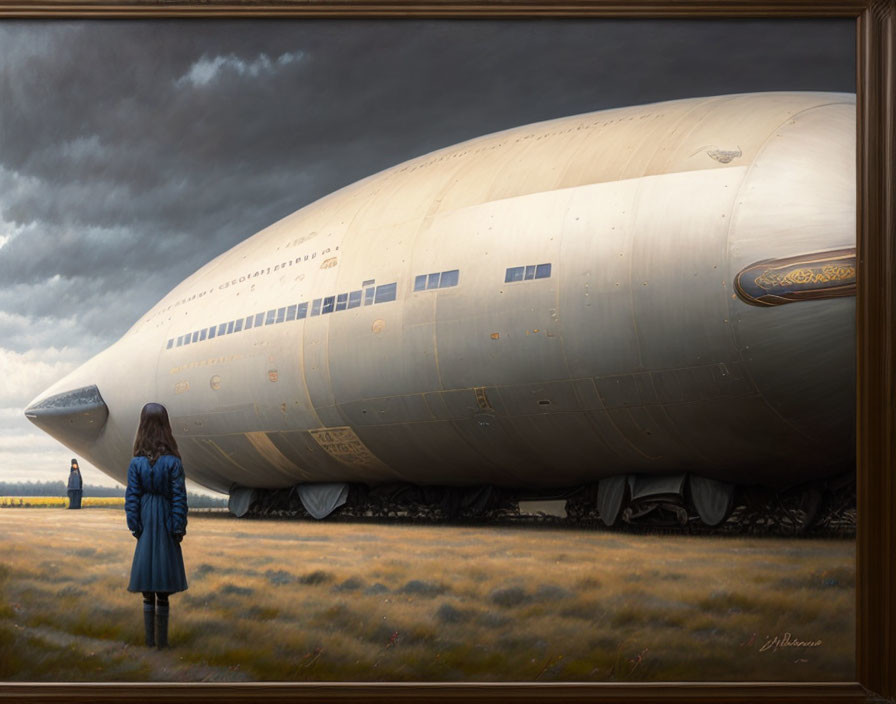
542, 307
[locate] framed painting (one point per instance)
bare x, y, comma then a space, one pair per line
143, 180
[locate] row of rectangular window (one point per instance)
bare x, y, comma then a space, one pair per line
444, 279
319, 306
527, 273
344, 301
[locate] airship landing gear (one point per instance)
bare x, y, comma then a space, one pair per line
656, 513
825, 508
695, 504
663, 502
676, 504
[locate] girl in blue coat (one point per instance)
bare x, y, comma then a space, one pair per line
156, 508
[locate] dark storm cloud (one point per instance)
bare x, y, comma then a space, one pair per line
143, 149
106, 105
108, 123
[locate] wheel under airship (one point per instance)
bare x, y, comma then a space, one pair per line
655, 300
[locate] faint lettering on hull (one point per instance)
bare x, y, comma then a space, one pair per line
343, 445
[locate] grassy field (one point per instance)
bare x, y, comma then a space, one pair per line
287, 600
60, 502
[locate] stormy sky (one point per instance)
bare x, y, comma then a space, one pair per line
131, 153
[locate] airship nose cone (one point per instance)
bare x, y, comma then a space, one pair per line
72, 416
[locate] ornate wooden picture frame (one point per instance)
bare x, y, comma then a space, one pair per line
875, 286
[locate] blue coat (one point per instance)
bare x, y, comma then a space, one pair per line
156, 507
74, 481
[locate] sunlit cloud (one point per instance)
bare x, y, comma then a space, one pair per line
206, 70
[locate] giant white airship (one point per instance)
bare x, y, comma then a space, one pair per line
628, 297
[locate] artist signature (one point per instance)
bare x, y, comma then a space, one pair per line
784, 640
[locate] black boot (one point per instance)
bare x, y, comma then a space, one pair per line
162, 624
149, 619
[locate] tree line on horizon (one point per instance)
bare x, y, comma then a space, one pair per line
60, 488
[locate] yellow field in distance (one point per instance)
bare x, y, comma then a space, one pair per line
60, 502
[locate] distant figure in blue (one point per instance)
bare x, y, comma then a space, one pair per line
156, 507
75, 486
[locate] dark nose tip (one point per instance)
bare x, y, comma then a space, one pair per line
76, 415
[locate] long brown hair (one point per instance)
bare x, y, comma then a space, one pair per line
154, 437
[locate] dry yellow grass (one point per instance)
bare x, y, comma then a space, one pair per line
60, 502
282, 600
